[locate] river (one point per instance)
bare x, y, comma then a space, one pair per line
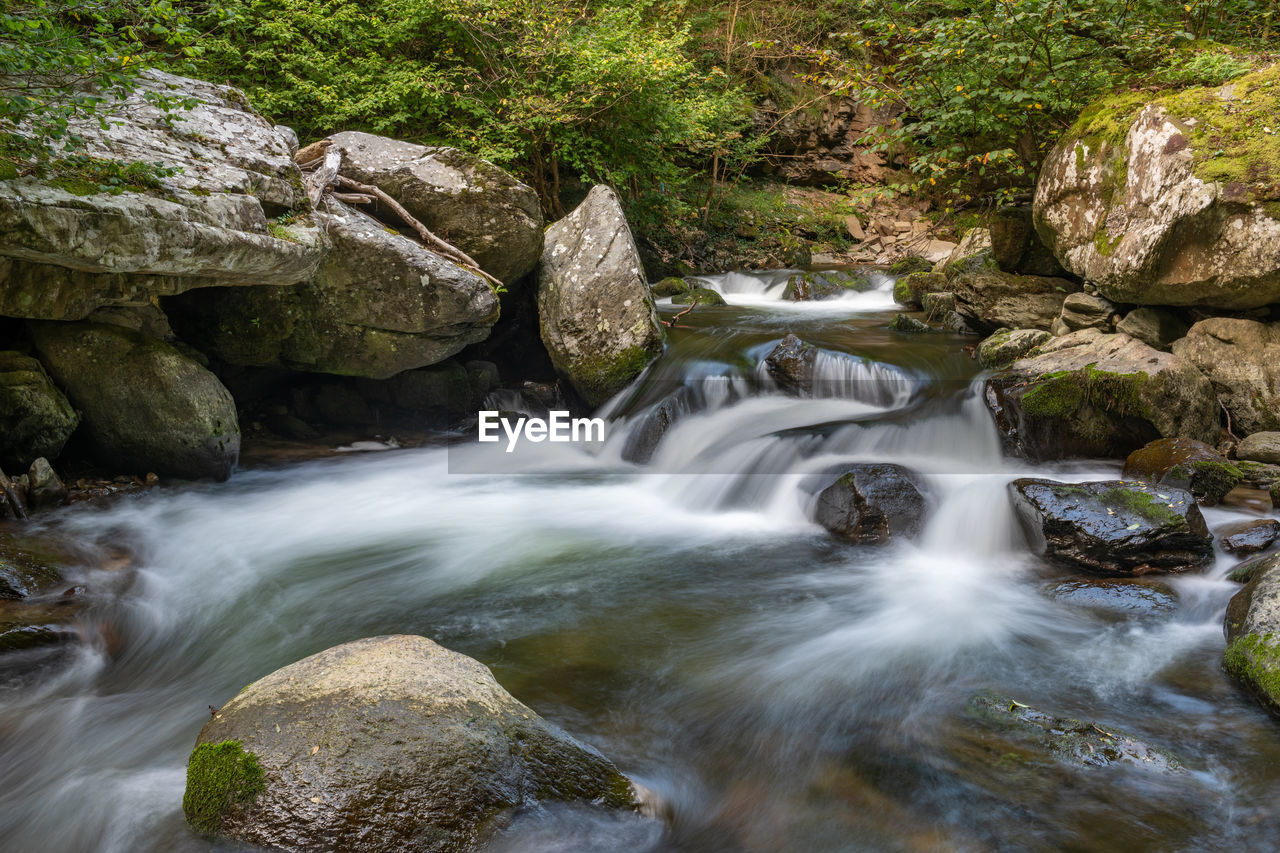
774, 689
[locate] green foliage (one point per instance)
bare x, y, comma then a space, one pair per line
69, 60
554, 89
220, 777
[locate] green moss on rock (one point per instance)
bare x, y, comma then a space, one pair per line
220, 777
1254, 660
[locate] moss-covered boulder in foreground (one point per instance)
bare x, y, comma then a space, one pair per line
1113, 527
1171, 199
1252, 627
387, 743
1093, 394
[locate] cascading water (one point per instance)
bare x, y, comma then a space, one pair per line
776, 690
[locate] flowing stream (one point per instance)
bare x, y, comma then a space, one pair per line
774, 689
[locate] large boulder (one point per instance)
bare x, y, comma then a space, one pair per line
1084, 311
1260, 447
462, 198
1252, 627
387, 743
67, 246
595, 310
1184, 463
1170, 200
1242, 359
35, 418
1113, 527
379, 304
1017, 248
988, 298
871, 503
1093, 394
146, 406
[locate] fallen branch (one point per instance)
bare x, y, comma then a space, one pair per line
450, 251
11, 495
672, 322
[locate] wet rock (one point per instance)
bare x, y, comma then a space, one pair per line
1113, 527
1155, 327
1082, 311
25, 626
1249, 537
909, 325
643, 441
379, 304
670, 287
44, 488
35, 417
870, 504
23, 572
75, 247
1165, 203
990, 298
147, 407
1090, 394
1120, 597
698, 296
1183, 463
478, 207
910, 289
1252, 626
790, 364
1244, 572
1007, 346
387, 743
1083, 744
1260, 447
595, 310
1242, 360
820, 286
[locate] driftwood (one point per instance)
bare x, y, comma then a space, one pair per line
319, 180
312, 153
354, 198
11, 495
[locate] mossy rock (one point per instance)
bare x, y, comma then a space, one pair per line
698, 296
1184, 463
35, 417
910, 264
670, 286
909, 325
830, 284
221, 778
1008, 345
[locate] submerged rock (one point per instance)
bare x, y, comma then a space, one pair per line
1252, 626
821, 286
1116, 596
1083, 744
387, 743
871, 503
468, 201
1169, 202
790, 364
595, 310
1091, 394
1113, 527
909, 325
1249, 537
35, 418
147, 406
1007, 346
1183, 463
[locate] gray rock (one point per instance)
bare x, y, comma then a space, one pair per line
1082, 311
698, 296
1168, 211
1113, 527
1249, 537
464, 199
387, 743
989, 298
70, 249
35, 418
909, 325
1007, 346
1155, 327
870, 504
443, 388
1252, 626
1242, 359
1017, 248
380, 304
1260, 447
1092, 394
147, 407
790, 364
1184, 463
595, 310
44, 488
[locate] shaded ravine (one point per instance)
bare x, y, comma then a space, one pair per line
774, 689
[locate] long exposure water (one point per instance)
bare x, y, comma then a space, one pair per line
772, 688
